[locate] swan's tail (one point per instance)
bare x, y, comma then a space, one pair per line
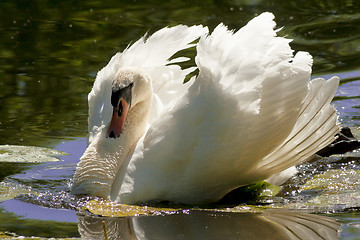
314, 129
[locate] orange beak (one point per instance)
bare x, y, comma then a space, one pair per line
118, 119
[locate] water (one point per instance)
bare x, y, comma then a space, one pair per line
50, 52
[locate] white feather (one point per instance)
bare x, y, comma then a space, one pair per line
252, 112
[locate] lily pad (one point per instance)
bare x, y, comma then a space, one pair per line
107, 208
10, 191
334, 180
111, 209
251, 194
334, 189
28, 154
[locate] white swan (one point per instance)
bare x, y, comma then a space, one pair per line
250, 114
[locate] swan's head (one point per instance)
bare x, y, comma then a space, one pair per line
130, 87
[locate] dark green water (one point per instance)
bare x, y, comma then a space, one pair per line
50, 52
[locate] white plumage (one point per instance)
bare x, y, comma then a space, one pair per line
250, 113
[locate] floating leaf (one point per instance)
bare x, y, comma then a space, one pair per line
10, 191
334, 189
28, 154
334, 180
112, 209
250, 194
107, 208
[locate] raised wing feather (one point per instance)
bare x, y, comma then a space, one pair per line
152, 55
252, 97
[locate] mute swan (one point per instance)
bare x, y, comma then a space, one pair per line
251, 113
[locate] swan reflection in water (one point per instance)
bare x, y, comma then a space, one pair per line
270, 224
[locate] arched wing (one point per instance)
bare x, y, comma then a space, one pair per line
250, 97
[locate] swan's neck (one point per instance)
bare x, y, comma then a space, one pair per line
104, 157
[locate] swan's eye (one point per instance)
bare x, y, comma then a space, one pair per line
118, 93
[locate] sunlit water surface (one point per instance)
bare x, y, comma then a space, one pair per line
49, 55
